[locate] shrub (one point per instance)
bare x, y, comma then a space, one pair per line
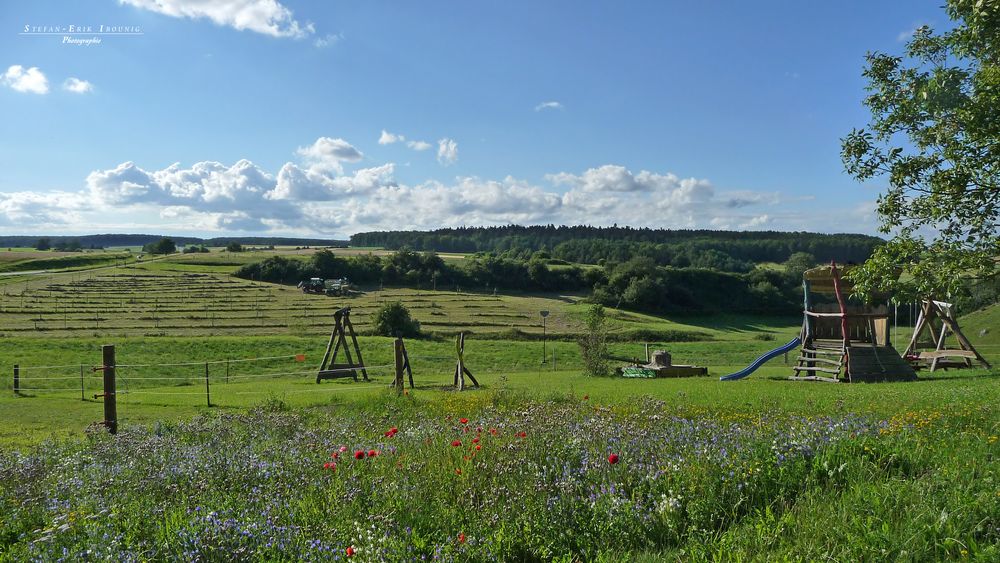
393, 319
594, 343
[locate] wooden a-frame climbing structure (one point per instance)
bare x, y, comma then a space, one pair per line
329, 368
937, 319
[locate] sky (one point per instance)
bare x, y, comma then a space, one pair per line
296, 118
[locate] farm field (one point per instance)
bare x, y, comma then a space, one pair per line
173, 298
638, 470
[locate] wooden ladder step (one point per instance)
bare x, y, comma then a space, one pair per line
837, 363
825, 370
829, 352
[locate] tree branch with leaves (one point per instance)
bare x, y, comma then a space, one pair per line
935, 136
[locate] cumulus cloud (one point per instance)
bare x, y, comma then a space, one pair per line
294, 183
387, 138
316, 196
327, 154
268, 17
548, 105
447, 151
26, 80
77, 86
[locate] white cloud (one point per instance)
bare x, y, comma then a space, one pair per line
77, 86
328, 40
548, 105
317, 197
327, 154
447, 151
268, 17
294, 183
27, 80
387, 138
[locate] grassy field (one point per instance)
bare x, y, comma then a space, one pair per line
518, 469
186, 295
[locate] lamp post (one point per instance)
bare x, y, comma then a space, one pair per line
544, 315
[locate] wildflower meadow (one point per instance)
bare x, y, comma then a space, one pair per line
502, 476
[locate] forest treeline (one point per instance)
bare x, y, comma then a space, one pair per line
728, 251
638, 283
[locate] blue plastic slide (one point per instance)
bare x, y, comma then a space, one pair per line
762, 360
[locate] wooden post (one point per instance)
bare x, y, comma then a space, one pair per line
208, 394
227, 370
81, 383
110, 403
460, 369
17, 379
398, 382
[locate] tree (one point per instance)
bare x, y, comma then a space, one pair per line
594, 343
935, 135
162, 246
393, 319
44, 243
234, 247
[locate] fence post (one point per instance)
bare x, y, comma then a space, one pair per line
17, 379
398, 382
81, 383
227, 370
208, 394
110, 403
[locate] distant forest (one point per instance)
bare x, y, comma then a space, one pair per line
729, 251
114, 239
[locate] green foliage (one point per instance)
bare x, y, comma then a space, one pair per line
798, 263
44, 243
195, 249
162, 246
933, 136
719, 250
393, 319
594, 343
234, 247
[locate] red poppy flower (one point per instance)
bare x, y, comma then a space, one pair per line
326, 465
475, 440
523, 434
493, 431
372, 453
464, 420
394, 430
461, 537
343, 449
350, 551
613, 459
335, 455
359, 454
479, 447
479, 429
456, 443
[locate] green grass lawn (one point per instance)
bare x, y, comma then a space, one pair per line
758, 469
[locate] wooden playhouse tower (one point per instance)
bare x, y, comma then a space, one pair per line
844, 340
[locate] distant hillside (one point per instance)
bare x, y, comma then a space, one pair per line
109, 240
728, 250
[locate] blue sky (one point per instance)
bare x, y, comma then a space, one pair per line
260, 116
